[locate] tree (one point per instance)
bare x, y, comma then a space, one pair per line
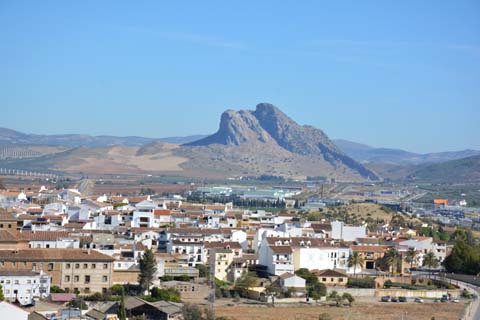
317, 290
411, 256
334, 296
56, 289
191, 312
169, 294
392, 257
355, 260
2, 185
430, 261
245, 282
122, 313
148, 268
464, 258
1, 293
349, 298
203, 271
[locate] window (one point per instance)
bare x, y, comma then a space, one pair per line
14, 264
38, 245
50, 266
87, 279
34, 266
29, 281
16, 282
85, 266
24, 263
340, 279
324, 279
47, 246
29, 291
76, 279
67, 266
105, 279
94, 265
104, 290
7, 281
86, 290
332, 279
105, 266
77, 266
67, 278
7, 291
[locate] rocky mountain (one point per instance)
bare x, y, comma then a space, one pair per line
260, 142
365, 153
277, 145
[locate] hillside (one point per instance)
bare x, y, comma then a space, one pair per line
462, 170
365, 153
248, 143
9, 137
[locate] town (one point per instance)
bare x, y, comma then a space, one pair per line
87, 251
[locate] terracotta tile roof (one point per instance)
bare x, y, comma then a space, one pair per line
369, 248
62, 297
7, 236
227, 244
44, 235
281, 249
329, 273
53, 255
161, 212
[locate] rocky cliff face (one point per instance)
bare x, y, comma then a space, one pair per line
268, 128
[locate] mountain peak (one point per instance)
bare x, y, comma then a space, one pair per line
270, 128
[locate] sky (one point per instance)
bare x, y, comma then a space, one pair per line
402, 74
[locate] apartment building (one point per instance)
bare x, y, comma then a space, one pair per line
75, 270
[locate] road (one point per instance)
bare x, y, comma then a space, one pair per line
85, 186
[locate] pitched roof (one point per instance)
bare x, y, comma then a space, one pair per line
7, 236
226, 244
53, 255
281, 249
329, 273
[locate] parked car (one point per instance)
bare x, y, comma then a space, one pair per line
385, 299
402, 299
419, 300
456, 300
436, 300
394, 299
444, 299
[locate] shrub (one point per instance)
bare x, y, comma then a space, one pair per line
387, 284
368, 282
324, 316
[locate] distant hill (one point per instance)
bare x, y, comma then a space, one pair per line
461, 170
262, 142
9, 136
365, 153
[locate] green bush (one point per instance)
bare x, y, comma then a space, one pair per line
56, 289
368, 282
387, 284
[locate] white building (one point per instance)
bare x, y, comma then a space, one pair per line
10, 311
144, 214
340, 231
24, 285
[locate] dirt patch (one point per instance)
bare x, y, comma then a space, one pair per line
359, 311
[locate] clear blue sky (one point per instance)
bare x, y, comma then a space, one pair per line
402, 74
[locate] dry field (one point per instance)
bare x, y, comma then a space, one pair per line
372, 210
359, 311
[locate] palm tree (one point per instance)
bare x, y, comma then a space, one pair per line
430, 261
392, 257
354, 260
411, 256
